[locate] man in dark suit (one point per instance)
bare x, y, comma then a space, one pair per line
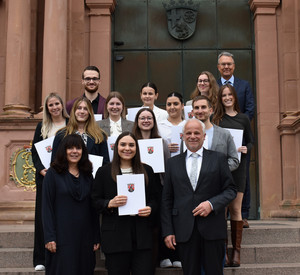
226, 67
90, 81
198, 186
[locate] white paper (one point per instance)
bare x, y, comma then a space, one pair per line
131, 112
96, 161
110, 145
132, 186
237, 136
44, 150
188, 112
98, 117
152, 153
176, 137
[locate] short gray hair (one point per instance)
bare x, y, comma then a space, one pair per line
225, 54
200, 122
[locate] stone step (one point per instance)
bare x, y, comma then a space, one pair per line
244, 269
250, 254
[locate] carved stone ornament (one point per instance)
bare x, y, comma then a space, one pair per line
182, 17
22, 169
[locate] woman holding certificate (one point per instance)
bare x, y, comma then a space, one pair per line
55, 117
114, 122
227, 115
126, 240
174, 107
71, 224
82, 122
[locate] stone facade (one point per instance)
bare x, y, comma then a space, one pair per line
77, 34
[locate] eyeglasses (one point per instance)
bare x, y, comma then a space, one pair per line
226, 64
149, 118
205, 81
89, 79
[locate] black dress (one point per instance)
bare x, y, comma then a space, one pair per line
39, 245
240, 121
70, 221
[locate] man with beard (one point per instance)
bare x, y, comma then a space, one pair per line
91, 81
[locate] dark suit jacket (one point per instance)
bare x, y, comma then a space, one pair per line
105, 125
215, 184
98, 149
245, 96
117, 231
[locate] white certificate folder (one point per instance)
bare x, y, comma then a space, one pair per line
132, 186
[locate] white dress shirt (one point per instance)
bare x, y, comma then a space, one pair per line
189, 160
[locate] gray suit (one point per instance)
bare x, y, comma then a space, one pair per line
105, 125
222, 141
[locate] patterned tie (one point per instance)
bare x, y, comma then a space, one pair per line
227, 82
194, 168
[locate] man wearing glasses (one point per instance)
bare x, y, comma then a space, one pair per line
91, 81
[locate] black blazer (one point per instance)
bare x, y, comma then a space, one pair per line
98, 149
117, 231
215, 184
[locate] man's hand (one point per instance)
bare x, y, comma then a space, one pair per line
51, 246
170, 242
203, 209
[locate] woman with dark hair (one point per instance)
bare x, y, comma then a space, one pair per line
149, 94
206, 85
227, 115
174, 107
125, 240
55, 117
71, 226
114, 122
82, 122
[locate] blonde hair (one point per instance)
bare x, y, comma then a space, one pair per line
91, 127
47, 119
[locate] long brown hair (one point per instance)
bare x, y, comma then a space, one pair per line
118, 96
136, 129
90, 127
137, 166
220, 109
213, 90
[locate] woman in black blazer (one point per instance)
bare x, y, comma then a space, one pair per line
82, 122
126, 240
55, 117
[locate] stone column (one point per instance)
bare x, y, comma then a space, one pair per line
267, 86
100, 38
55, 48
17, 81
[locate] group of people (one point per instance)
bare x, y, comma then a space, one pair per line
184, 221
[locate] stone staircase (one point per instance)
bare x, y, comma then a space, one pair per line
268, 248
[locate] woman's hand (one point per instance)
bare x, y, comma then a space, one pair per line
117, 201
51, 246
96, 246
43, 172
145, 212
173, 147
242, 149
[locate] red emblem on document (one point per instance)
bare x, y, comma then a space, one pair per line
130, 187
112, 146
150, 150
49, 149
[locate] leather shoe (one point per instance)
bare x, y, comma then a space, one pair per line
245, 223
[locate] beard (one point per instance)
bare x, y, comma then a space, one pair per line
91, 90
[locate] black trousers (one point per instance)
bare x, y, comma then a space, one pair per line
197, 252
138, 262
